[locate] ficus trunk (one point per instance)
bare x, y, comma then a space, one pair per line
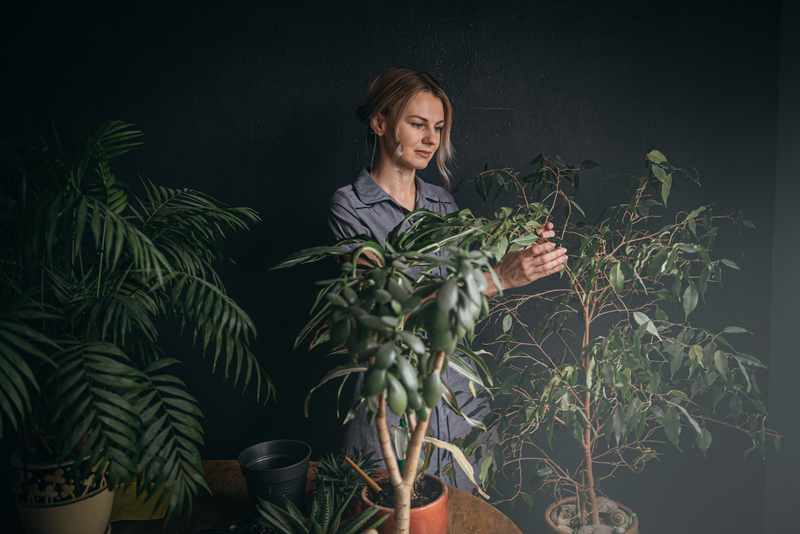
403, 482
587, 433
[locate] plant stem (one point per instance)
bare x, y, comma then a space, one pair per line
587, 432
403, 483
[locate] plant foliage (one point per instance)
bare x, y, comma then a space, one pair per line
614, 360
325, 516
87, 269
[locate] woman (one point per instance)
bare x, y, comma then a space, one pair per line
409, 118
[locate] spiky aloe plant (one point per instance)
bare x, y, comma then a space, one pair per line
325, 515
335, 471
86, 269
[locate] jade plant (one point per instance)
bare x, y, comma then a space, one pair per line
611, 357
87, 269
325, 517
398, 312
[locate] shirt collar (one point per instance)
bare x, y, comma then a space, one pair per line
369, 192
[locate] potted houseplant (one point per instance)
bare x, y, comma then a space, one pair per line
327, 511
86, 269
342, 477
402, 330
614, 361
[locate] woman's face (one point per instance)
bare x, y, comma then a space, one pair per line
419, 132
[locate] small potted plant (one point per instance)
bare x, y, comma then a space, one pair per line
403, 331
614, 360
326, 515
86, 269
342, 477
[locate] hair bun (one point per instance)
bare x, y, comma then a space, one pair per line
361, 113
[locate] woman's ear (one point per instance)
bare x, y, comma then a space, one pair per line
378, 123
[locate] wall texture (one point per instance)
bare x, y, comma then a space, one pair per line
253, 102
782, 491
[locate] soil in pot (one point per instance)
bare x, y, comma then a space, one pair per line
427, 491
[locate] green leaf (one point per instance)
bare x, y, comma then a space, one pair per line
617, 278
607, 371
731, 264
677, 360
736, 408
704, 440
721, 362
735, 330
575, 204
619, 423
589, 164
703, 282
342, 370
752, 361
659, 173
689, 300
665, 188
672, 424
656, 157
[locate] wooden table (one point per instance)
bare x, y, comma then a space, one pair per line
231, 504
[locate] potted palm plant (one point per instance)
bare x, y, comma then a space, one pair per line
86, 269
614, 361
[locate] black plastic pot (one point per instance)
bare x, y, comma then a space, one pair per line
276, 471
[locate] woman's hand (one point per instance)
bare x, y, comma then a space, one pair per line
525, 265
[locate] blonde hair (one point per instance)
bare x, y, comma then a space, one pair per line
391, 94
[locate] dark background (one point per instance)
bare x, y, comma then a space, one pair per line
253, 103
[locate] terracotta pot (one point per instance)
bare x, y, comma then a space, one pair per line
433, 518
548, 527
57, 499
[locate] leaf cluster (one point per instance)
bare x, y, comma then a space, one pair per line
325, 517
394, 307
341, 476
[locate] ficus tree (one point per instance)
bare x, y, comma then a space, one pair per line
613, 358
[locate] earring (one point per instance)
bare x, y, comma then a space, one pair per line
380, 134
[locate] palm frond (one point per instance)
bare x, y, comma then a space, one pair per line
92, 418
169, 441
20, 341
114, 316
192, 215
219, 322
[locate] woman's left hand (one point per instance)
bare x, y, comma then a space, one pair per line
523, 266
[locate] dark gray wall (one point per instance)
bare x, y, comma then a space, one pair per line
252, 102
782, 490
